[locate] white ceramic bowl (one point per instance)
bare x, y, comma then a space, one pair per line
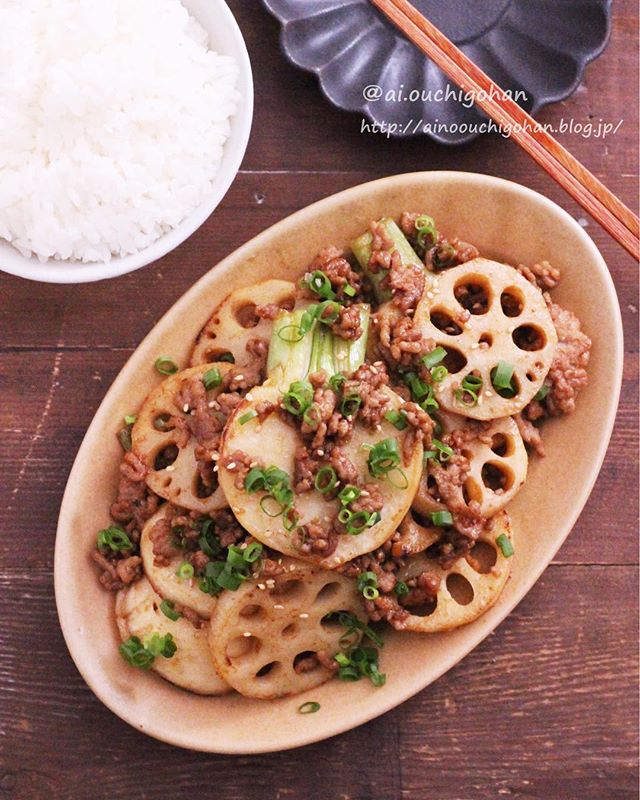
226, 38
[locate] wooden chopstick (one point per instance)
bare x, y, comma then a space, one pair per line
607, 209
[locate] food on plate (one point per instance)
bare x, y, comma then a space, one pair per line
346, 461
116, 115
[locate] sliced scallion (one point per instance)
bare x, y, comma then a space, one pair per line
504, 543
440, 518
433, 358
248, 416
212, 378
326, 479
165, 365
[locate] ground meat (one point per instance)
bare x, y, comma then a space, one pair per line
204, 425
264, 409
401, 342
245, 378
189, 614
109, 577
239, 463
530, 434
369, 501
129, 569
568, 373
348, 326
199, 560
339, 271
473, 430
542, 275
381, 244
450, 253
163, 541
344, 467
316, 539
367, 383
422, 589
319, 415
317, 379
420, 429
305, 468
408, 223
271, 568
227, 527
386, 607
450, 479
227, 402
406, 282
135, 502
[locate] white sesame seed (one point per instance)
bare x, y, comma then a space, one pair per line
215, 469
261, 586
374, 370
365, 493
249, 397
303, 616
271, 583
239, 378
231, 466
278, 605
488, 394
475, 345
211, 403
253, 464
247, 634
430, 295
215, 456
170, 468
320, 452
378, 427
185, 407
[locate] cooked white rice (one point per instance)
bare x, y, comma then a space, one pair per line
113, 117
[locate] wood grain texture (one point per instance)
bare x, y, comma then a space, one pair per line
545, 708
542, 709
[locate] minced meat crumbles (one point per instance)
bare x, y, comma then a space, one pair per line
363, 449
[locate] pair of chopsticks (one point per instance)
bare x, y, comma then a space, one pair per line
614, 216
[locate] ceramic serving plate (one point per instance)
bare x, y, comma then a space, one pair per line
507, 222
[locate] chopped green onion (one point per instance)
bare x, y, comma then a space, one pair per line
419, 388
467, 394
326, 480
542, 392
444, 451
368, 585
168, 609
161, 645
165, 365
349, 290
248, 416
130, 419
299, 398
309, 707
440, 518
319, 283
505, 545
427, 234
115, 539
359, 662
270, 506
329, 312
349, 494
290, 519
383, 457
255, 480
401, 588
352, 623
428, 455
433, 358
397, 419
336, 382
350, 404
374, 519
135, 654
252, 552
185, 571
443, 256
212, 378
344, 515
357, 522
502, 379
294, 334
439, 373
228, 357
209, 542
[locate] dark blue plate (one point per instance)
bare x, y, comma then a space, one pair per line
537, 49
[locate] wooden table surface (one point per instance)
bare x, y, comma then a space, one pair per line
545, 708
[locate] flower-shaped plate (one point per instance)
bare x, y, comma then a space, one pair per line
537, 49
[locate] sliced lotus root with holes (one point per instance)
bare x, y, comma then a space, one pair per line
164, 578
235, 322
272, 441
508, 321
498, 468
468, 589
263, 635
171, 464
138, 614
413, 536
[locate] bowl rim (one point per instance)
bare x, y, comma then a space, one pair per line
76, 272
64, 594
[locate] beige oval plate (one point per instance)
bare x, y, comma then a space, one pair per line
507, 222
